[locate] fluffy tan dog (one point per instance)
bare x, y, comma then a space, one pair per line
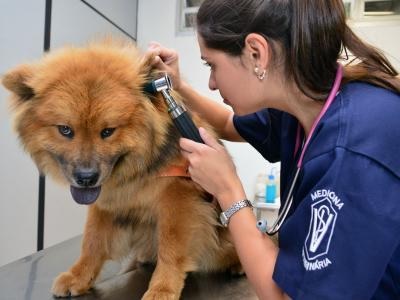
83, 117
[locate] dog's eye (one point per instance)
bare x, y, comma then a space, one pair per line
66, 131
106, 132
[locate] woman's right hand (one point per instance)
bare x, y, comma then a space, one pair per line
166, 60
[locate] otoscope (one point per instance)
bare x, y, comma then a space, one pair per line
179, 115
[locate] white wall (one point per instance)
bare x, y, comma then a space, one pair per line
384, 35
21, 40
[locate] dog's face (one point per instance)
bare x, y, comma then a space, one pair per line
83, 117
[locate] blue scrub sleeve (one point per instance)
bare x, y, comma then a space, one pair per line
345, 232
262, 130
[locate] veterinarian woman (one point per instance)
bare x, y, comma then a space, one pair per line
276, 63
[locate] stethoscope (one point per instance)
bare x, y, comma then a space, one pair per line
262, 224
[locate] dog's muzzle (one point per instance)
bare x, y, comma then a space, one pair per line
86, 191
86, 177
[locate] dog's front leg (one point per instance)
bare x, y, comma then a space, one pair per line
173, 259
80, 277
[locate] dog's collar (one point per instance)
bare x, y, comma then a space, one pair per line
181, 170
178, 170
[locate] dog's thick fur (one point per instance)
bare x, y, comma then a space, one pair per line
165, 220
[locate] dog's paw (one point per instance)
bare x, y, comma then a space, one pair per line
160, 295
66, 285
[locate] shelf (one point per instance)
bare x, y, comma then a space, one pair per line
264, 205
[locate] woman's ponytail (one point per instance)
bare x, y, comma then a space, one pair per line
316, 30
369, 64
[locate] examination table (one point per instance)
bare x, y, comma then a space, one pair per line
30, 278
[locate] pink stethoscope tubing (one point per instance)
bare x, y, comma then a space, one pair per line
289, 199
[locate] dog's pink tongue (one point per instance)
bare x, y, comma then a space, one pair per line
85, 195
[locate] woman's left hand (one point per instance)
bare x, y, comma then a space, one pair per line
212, 168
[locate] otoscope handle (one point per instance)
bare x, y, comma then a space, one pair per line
187, 128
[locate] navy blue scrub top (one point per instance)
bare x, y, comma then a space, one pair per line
342, 237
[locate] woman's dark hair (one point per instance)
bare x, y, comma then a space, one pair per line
312, 35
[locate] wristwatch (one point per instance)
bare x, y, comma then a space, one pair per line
226, 215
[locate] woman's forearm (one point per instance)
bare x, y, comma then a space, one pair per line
257, 253
211, 166
218, 115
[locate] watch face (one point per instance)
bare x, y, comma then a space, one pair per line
223, 219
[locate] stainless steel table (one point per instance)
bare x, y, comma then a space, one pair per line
30, 278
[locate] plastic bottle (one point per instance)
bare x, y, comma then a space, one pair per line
271, 189
260, 188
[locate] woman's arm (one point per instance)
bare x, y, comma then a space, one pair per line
257, 253
212, 167
219, 116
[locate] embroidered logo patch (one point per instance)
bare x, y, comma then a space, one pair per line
324, 212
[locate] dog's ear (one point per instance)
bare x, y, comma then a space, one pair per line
145, 65
148, 73
17, 80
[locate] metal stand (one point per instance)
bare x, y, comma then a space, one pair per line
42, 178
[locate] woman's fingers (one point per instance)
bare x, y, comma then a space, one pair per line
154, 45
167, 55
209, 139
209, 164
165, 60
189, 146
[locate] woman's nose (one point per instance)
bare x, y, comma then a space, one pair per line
212, 84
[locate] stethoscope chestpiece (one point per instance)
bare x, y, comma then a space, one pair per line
262, 225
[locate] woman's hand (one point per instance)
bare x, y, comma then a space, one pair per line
212, 168
166, 60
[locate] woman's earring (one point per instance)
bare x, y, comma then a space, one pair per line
260, 75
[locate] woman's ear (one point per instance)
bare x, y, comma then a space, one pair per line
258, 48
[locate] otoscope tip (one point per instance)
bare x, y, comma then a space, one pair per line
149, 88
158, 85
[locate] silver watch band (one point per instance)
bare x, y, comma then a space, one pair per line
226, 215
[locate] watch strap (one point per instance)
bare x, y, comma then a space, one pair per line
226, 215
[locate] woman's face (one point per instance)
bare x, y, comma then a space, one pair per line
234, 78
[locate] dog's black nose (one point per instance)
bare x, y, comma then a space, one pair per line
86, 177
